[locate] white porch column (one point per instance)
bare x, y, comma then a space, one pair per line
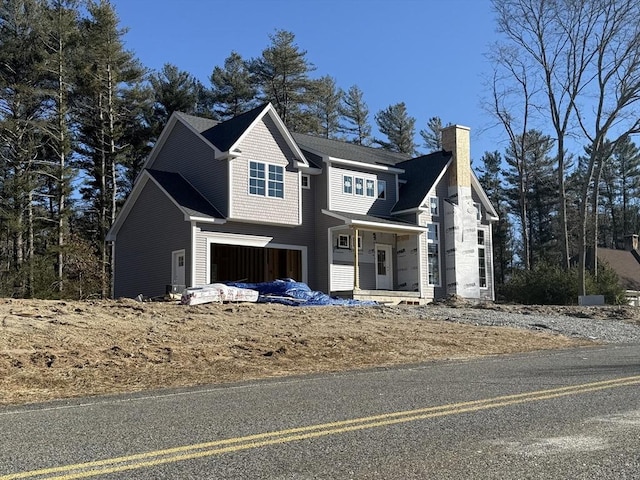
356, 270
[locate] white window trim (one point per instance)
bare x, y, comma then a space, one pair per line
344, 176
373, 187
343, 241
355, 189
359, 242
486, 260
437, 242
437, 200
265, 179
308, 179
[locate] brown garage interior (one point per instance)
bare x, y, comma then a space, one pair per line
253, 264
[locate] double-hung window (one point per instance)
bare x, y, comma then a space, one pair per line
276, 181
256, 178
434, 206
265, 181
359, 186
433, 254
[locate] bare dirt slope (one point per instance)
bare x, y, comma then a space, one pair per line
59, 349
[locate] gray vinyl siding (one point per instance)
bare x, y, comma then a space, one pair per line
193, 157
362, 204
264, 143
153, 229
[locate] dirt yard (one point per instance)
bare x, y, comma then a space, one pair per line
61, 349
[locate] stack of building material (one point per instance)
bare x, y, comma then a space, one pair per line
217, 292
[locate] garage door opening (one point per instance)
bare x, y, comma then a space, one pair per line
253, 264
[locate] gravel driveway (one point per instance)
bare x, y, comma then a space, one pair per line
604, 324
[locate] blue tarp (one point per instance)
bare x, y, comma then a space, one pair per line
290, 292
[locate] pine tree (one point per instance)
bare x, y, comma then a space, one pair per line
108, 71
173, 90
399, 127
355, 114
282, 75
325, 107
233, 89
490, 177
24, 96
432, 135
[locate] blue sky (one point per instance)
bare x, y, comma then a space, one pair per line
428, 53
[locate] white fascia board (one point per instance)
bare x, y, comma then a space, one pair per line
362, 165
209, 220
238, 239
492, 215
269, 109
311, 170
408, 210
375, 225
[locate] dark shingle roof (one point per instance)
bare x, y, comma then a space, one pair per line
626, 263
348, 151
185, 194
225, 134
200, 124
420, 173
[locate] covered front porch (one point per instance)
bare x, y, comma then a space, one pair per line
373, 258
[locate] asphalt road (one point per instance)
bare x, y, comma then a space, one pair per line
551, 415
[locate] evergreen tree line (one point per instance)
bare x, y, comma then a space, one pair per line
79, 114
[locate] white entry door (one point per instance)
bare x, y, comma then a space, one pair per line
384, 268
178, 267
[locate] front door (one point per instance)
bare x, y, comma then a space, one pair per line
178, 267
384, 271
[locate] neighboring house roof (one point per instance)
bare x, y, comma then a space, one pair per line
626, 263
185, 195
369, 221
347, 151
420, 174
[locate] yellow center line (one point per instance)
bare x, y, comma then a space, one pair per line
188, 452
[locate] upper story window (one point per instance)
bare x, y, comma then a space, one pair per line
478, 212
306, 181
347, 184
382, 189
359, 186
371, 188
259, 184
434, 206
276, 181
256, 178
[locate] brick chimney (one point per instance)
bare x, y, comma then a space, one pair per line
631, 242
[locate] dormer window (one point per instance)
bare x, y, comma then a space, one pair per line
347, 184
371, 188
359, 186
